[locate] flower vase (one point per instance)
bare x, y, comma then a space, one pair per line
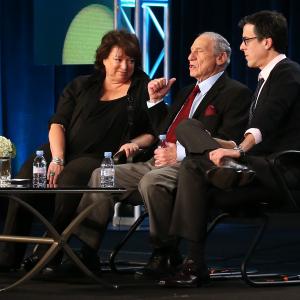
5, 171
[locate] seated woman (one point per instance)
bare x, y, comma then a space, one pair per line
104, 111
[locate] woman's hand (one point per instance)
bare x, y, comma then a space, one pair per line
53, 172
129, 148
216, 156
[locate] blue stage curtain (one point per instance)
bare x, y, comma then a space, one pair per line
28, 92
193, 17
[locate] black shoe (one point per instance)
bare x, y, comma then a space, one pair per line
30, 261
189, 275
231, 174
68, 266
160, 264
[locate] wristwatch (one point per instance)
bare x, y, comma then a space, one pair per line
239, 148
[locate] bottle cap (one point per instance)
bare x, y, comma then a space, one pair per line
39, 152
107, 154
162, 137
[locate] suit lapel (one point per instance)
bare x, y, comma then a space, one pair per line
210, 96
265, 89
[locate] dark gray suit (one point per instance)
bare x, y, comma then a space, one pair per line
223, 111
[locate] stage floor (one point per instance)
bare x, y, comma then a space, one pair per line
226, 246
133, 289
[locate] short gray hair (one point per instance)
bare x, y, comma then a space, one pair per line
221, 44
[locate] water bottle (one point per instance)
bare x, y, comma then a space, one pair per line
162, 141
107, 171
39, 170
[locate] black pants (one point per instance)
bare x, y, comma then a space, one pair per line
18, 221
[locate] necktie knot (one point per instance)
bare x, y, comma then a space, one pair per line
195, 91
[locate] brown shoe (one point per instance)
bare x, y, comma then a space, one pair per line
160, 264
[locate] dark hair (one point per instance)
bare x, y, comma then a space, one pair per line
128, 42
269, 24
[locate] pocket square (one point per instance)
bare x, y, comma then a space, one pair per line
210, 111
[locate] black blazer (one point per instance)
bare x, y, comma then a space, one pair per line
230, 100
277, 112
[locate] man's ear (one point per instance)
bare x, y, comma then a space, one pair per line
221, 58
268, 43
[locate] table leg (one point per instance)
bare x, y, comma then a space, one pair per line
57, 243
66, 234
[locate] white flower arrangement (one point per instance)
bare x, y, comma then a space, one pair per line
7, 148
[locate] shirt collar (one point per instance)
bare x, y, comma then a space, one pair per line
206, 85
265, 72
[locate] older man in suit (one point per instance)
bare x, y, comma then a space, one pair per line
222, 105
273, 126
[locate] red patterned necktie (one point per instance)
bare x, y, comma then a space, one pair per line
183, 114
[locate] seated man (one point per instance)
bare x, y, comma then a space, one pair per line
219, 102
273, 126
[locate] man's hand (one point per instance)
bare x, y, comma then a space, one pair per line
165, 156
216, 156
159, 87
129, 148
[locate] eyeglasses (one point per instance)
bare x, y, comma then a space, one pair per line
246, 40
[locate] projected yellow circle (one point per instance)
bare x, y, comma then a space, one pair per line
85, 33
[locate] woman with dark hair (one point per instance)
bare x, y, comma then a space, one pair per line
104, 111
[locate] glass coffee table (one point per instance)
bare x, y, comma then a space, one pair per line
55, 240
